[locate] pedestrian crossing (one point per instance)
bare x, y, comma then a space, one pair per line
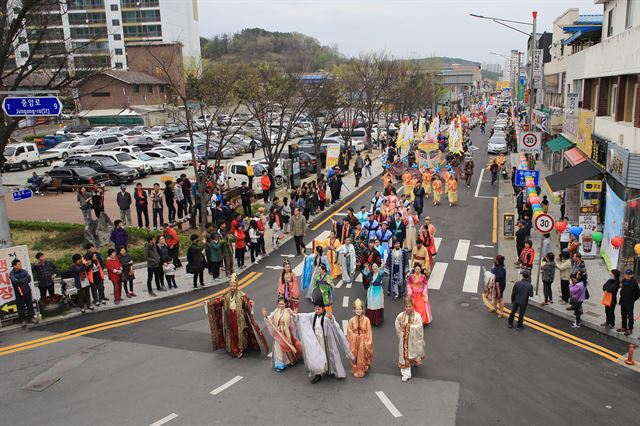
442, 271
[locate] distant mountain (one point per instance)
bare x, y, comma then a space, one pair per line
258, 45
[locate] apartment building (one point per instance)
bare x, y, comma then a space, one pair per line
99, 31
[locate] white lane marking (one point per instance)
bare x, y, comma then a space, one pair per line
323, 236
479, 182
438, 241
387, 403
227, 385
345, 326
269, 354
345, 301
339, 214
297, 271
437, 275
462, 250
349, 284
400, 190
471, 279
338, 284
164, 420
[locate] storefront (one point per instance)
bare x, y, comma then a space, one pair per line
552, 152
623, 215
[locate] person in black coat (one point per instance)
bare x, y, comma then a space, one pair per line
196, 262
418, 198
398, 229
611, 286
521, 238
629, 293
522, 291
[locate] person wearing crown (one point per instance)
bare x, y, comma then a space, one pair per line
360, 340
281, 324
410, 339
232, 323
288, 287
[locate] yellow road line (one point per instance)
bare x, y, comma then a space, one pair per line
244, 282
566, 337
360, 194
495, 220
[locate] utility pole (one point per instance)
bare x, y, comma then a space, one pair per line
533, 54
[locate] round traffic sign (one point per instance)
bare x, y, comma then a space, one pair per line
530, 140
544, 223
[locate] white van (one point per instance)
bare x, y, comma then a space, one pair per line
25, 154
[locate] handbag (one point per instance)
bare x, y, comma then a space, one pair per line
606, 299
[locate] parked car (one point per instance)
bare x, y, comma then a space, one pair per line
96, 130
77, 129
181, 153
133, 136
236, 173
170, 157
63, 149
78, 176
162, 131
117, 129
126, 159
98, 143
497, 145
117, 173
306, 145
157, 165
24, 155
308, 162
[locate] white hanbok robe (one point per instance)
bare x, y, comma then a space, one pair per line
347, 252
322, 350
411, 340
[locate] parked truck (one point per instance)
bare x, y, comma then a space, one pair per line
24, 155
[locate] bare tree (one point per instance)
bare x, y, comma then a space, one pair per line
35, 54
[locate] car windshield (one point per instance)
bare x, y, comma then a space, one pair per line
9, 151
123, 157
497, 141
168, 154
144, 157
89, 141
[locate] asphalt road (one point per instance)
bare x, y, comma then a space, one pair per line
477, 371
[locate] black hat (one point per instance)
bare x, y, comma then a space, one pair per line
316, 297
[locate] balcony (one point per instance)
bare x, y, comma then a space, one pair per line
620, 132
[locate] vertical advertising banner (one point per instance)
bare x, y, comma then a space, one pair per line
333, 153
537, 69
8, 306
613, 224
585, 128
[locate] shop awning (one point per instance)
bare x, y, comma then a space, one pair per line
572, 176
558, 144
574, 156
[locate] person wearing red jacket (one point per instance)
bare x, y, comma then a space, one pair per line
173, 243
114, 271
241, 246
527, 255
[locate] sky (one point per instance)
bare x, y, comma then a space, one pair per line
402, 28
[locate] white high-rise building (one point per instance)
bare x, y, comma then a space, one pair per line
100, 30
492, 67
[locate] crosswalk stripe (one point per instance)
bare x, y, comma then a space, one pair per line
438, 240
471, 279
297, 271
437, 275
345, 325
462, 250
349, 284
323, 236
338, 284
345, 301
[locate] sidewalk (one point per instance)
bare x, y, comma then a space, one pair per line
184, 280
593, 311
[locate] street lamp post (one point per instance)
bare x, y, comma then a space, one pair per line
502, 21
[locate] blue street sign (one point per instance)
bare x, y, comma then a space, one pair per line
22, 194
38, 106
521, 176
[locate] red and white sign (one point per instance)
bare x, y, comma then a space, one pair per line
544, 223
530, 142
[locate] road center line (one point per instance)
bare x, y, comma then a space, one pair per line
387, 403
164, 420
227, 385
345, 301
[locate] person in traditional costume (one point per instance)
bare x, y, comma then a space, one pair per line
382, 250
371, 226
426, 182
392, 202
360, 243
407, 183
360, 340
281, 325
437, 190
369, 256
411, 221
312, 263
232, 323
324, 282
410, 339
384, 235
398, 267
375, 294
397, 228
288, 287
331, 246
452, 190
322, 340
418, 289
345, 230
420, 256
347, 254
387, 180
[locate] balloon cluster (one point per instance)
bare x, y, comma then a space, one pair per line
534, 200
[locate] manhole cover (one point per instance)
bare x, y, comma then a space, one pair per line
464, 305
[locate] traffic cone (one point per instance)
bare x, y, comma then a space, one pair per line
629, 360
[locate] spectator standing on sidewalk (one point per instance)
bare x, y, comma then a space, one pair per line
565, 236
186, 191
298, 229
265, 184
96, 278
80, 272
227, 239
157, 200
245, 197
215, 255
578, 291
44, 272
153, 265
367, 165
20, 280
114, 271
173, 243
169, 271
358, 165
521, 238
564, 267
97, 200
546, 246
196, 262
611, 288
119, 236
548, 272
178, 194
500, 274
142, 206
123, 199
128, 274
84, 199
629, 293
578, 266
250, 172
522, 291
170, 201
527, 256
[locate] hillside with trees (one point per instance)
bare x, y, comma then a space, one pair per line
293, 50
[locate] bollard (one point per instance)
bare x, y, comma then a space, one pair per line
629, 360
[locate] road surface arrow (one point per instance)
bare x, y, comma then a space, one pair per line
7, 308
274, 267
482, 246
475, 257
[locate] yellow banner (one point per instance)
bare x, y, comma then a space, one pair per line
333, 152
501, 85
585, 128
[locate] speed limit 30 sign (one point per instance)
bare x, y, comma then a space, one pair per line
544, 223
530, 143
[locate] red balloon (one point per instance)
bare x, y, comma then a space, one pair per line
617, 242
534, 200
561, 226
633, 204
530, 184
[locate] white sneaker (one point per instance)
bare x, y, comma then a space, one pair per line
574, 325
404, 379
